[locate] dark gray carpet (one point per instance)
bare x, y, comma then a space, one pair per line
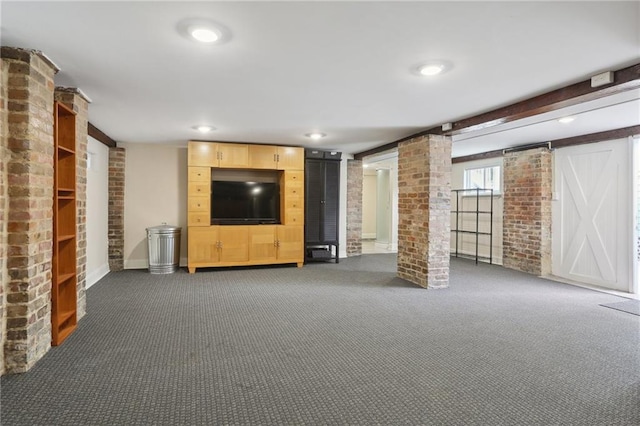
345, 344
629, 306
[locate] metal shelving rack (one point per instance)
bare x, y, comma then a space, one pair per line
459, 213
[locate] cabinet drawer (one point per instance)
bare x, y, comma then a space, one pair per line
198, 219
293, 176
295, 192
294, 217
198, 189
198, 204
293, 203
199, 174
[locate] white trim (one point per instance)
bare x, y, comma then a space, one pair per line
634, 157
136, 264
96, 275
369, 236
144, 263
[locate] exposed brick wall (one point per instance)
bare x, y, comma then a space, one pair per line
354, 207
75, 100
116, 208
527, 211
4, 206
30, 226
424, 209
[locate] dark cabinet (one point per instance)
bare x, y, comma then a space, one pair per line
322, 196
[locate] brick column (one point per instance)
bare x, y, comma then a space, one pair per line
354, 207
4, 204
77, 101
424, 209
30, 205
116, 208
527, 211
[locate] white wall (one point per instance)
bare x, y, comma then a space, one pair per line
369, 203
466, 243
97, 211
155, 193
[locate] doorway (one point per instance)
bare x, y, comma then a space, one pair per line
380, 203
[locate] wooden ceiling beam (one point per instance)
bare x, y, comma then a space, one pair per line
606, 135
100, 136
624, 79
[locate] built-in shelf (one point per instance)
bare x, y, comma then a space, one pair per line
64, 270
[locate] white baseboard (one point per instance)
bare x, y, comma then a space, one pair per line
97, 274
369, 236
136, 264
144, 263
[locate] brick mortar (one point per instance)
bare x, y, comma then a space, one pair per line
117, 157
424, 207
354, 207
527, 211
29, 171
4, 206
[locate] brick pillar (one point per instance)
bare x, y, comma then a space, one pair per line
116, 208
354, 207
77, 101
527, 211
4, 204
30, 205
424, 210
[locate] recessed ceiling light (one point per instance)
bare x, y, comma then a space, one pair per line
204, 31
365, 166
315, 135
433, 69
204, 34
203, 128
565, 120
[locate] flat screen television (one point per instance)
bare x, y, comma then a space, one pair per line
244, 203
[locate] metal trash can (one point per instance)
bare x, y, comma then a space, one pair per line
164, 249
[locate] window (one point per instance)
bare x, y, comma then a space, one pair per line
483, 177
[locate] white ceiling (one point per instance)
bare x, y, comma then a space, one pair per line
342, 68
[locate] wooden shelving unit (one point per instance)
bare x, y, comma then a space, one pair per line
64, 281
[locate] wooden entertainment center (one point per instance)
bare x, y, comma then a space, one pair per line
217, 245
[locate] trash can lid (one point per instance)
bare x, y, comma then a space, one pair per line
162, 229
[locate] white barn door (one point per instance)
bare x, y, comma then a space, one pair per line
591, 230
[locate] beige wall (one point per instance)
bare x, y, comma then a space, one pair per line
369, 203
155, 193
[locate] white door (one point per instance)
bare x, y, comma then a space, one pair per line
591, 232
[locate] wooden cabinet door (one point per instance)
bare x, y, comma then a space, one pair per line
233, 155
202, 154
203, 245
263, 157
262, 243
234, 243
290, 243
290, 158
